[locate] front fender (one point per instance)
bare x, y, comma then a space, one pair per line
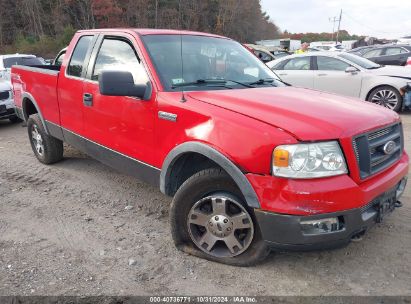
371, 83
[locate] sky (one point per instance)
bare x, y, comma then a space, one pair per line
378, 18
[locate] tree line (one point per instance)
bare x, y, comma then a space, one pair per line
43, 27
310, 37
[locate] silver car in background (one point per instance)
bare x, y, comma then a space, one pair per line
7, 61
346, 74
6, 102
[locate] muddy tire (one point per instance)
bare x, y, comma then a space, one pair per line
210, 219
47, 149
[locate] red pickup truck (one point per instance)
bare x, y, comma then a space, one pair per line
250, 162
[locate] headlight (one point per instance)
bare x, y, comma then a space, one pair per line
309, 160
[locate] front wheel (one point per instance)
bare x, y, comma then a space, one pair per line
386, 96
210, 219
47, 149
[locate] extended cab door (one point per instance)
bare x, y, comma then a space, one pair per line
123, 125
297, 72
70, 87
331, 76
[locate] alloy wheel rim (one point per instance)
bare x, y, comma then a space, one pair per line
220, 226
37, 140
386, 98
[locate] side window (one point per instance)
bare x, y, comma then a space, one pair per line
118, 54
331, 64
372, 53
394, 51
298, 63
75, 67
280, 65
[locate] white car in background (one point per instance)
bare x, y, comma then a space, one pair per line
6, 61
6, 102
345, 74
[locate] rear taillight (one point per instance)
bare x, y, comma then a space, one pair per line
408, 64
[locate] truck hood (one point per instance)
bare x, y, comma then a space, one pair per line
393, 71
306, 114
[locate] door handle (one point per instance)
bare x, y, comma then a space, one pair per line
322, 74
88, 99
283, 74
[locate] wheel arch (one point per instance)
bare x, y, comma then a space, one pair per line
173, 161
30, 107
379, 86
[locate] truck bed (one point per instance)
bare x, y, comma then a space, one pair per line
40, 84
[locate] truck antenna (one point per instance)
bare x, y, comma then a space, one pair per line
183, 97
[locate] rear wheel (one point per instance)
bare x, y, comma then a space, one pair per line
47, 149
210, 219
386, 96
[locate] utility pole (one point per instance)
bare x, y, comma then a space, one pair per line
333, 20
339, 24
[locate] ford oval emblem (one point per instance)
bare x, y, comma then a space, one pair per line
389, 147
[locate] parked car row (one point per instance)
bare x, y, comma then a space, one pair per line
389, 54
346, 74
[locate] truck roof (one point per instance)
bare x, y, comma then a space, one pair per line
147, 31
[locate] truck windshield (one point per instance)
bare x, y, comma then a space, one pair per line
203, 63
8, 62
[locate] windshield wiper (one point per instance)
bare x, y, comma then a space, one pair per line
198, 82
248, 85
213, 82
262, 81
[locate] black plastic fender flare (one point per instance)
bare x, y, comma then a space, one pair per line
28, 97
236, 174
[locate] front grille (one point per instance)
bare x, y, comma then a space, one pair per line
369, 149
4, 95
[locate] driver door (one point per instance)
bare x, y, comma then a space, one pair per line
118, 123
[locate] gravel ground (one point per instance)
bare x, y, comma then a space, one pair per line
80, 228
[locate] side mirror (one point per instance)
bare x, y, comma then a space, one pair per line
121, 83
351, 70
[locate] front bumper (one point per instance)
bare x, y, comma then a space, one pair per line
10, 112
284, 232
286, 203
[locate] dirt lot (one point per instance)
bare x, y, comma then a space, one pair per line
73, 227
